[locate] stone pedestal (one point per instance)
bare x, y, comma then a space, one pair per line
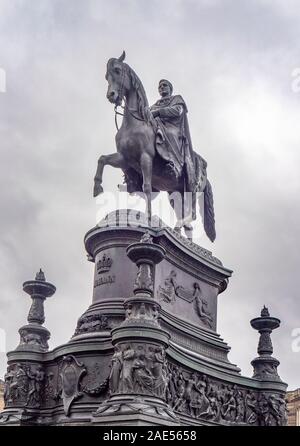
146, 351
34, 336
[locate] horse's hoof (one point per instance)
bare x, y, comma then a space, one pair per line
189, 235
98, 189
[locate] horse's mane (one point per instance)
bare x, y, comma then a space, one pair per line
143, 104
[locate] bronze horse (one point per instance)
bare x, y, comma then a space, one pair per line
136, 155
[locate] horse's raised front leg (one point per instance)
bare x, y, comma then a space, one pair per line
146, 167
114, 160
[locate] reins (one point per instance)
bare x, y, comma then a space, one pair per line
125, 107
117, 113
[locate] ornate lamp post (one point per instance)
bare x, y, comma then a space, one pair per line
265, 366
34, 336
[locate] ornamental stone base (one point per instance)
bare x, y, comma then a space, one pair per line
147, 350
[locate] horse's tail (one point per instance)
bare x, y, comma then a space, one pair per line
209, 213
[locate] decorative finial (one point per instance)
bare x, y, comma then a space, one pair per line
265, 365
265, 312
35, 336
40, 276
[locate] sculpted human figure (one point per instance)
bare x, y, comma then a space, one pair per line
209, 385
115, 371
214, 409
36, 381
92, 323
129, 311
282, 409
173, 139
126, 376
190, 389
240, 405
172, 379
180, 401
154, 149
277, 410
269, 370
19, 384
174, 145
142, 377
167, 293
155, 312
201, 306
8, 380
159, 360
159, 371
250, 406
49, 387
263, 410
146, 238
204, 403
230, 406
224, 396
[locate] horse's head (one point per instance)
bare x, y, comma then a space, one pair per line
117, 76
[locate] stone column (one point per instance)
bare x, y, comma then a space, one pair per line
25, 376
265, 366
34, 336
270, 405
138, 378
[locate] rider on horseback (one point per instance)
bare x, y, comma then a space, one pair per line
154, 149
173, 140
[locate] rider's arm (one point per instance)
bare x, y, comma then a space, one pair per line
173, 111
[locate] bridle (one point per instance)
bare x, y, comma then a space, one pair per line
125, 106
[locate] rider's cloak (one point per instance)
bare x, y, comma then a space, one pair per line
173, 140
174, 146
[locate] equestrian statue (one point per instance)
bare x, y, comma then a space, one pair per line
154, 149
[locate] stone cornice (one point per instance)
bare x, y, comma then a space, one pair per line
193, 258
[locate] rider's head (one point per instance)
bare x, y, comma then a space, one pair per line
165, 87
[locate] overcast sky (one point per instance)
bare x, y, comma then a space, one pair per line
233, 62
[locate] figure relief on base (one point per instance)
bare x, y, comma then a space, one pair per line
139, 369
170, 290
